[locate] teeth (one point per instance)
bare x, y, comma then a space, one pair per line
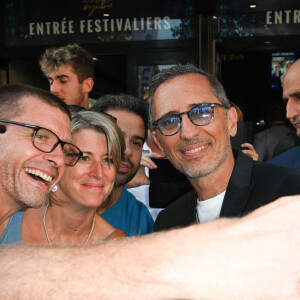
38, 173
195, 150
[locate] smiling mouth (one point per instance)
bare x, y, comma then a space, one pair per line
38, 175
195, 150
91, 186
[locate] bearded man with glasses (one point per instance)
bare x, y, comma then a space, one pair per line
192, 122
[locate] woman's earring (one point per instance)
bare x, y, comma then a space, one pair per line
54, 189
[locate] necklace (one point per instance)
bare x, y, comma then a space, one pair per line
45, 228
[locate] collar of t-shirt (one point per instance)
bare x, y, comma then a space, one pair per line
209, 209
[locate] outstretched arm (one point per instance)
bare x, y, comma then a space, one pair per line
255, 257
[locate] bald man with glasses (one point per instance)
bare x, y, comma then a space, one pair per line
192, 122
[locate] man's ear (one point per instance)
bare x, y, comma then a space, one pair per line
88, 84
232, 121
156, 140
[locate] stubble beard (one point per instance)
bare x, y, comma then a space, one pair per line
29, 196
32, 197
124, 178
294, 120
193, 171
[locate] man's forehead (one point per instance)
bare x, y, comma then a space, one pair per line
62, 70
36, 112
291, 82
125, 118
35, 102
183, 91
124, 112
293, 72
185, 83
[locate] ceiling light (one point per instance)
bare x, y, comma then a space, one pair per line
252, 5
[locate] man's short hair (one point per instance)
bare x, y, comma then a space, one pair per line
178, 70
81, 61
12, 95
123, 102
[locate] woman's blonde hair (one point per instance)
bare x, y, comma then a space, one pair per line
102, 123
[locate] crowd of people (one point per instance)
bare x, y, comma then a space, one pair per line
66, 166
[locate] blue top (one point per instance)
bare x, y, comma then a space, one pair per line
130, 215
290, 158
12, 233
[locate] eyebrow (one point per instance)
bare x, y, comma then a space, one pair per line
292, 95
295, 95
86, 152
92, 154
139, 138
58, 77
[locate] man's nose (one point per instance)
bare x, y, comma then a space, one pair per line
55, 87
56, 157
128, 150
188, 129
292, 109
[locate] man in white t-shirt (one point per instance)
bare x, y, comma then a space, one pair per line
192, 122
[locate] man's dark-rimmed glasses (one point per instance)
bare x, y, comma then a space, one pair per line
46, 141
199, 115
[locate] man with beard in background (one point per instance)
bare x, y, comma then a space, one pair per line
126, 212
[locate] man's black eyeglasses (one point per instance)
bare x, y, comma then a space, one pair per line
199, 115
46, 141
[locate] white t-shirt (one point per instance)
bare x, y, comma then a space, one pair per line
209, 209
142, 192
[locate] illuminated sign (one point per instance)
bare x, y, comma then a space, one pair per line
30, 22
263, 23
